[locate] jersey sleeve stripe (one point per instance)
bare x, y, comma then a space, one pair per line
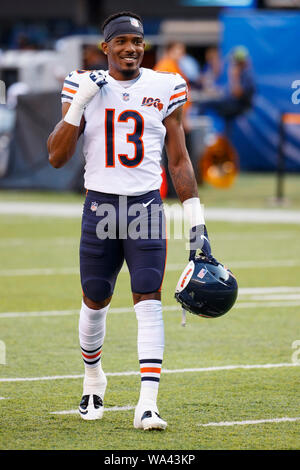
69, 90
68, 82
181, 85
66, 97
177, 95
176, 102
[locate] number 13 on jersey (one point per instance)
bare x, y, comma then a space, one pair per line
134, 138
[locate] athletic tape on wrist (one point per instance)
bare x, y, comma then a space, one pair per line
74, 115
193, 212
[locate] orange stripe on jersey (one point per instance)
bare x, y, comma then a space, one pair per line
92, 357
69, 90
151, 369
177, 95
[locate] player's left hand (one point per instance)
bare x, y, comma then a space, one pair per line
199, 241
98, 78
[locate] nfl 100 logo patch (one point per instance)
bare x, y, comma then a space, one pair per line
94, 206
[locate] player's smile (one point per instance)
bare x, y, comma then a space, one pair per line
125, 54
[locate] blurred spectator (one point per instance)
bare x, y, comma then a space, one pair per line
169, 62
191, 70
239, 90
212, 71
94, 59
25, 43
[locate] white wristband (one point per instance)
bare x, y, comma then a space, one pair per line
74, 115
193, 211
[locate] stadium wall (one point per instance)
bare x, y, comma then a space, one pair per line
29, 167
272, 41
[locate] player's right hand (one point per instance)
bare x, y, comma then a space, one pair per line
89, 85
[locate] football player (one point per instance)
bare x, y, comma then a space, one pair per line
124, 115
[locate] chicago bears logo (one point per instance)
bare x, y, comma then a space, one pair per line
152, 102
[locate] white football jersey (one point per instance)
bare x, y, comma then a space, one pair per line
124, 132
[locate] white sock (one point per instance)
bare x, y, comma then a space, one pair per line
92, 327
150, 349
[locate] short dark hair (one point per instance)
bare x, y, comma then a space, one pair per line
117, 15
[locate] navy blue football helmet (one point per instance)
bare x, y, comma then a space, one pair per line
206, 288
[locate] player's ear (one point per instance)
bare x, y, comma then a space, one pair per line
104, 47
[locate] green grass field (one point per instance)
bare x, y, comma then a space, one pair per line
40, 298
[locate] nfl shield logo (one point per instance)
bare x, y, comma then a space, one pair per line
134, 22
94, 206
125, 96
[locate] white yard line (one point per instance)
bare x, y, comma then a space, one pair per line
254, 421
284, 296
249, 264
164, 371
267, 290
74, 210
275, 297
285, 304
46, 313
26, 241
38, 209
38, 272
6, 242
112, 408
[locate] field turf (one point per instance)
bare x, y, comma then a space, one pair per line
229, 383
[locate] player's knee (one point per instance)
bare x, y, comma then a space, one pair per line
97, 290
146, 280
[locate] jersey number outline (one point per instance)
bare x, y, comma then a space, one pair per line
134, 138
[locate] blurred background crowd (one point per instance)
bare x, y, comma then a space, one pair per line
239, 57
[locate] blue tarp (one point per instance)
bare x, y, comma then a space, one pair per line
272, 39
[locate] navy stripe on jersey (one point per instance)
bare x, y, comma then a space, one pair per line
72, 83
176, 102
182, 85
67, 96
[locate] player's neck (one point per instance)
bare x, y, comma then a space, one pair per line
124, 76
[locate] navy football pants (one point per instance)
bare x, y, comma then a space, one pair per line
115, 229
